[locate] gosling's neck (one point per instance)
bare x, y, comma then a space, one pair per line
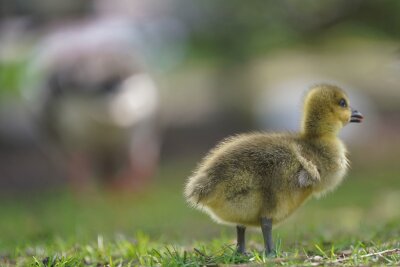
314, 127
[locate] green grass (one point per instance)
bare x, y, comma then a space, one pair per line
358, 224
141, 251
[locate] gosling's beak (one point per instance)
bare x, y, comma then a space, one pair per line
356, 116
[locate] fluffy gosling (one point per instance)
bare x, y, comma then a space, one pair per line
259, 179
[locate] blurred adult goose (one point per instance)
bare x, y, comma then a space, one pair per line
93, 99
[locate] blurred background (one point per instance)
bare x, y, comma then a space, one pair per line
106, 106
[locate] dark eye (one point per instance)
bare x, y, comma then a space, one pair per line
343, 103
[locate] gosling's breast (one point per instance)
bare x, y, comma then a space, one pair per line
335, 172
289, 202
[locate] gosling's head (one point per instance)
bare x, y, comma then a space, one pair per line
326, 110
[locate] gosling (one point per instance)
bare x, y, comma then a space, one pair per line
259, 179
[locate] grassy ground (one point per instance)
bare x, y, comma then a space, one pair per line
356, 225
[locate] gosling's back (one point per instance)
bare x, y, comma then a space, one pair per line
251, 175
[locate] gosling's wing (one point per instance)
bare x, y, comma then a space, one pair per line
308, 173
304, 178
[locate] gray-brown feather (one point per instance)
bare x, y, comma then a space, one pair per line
269, 161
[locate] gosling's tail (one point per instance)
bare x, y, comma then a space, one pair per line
197, 189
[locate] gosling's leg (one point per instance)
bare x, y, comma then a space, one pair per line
266, 227
240, 230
